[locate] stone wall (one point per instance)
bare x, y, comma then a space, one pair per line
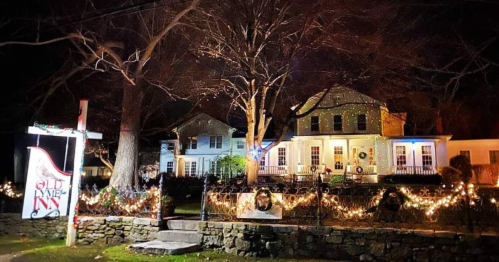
116, 230
12, 224
334, 242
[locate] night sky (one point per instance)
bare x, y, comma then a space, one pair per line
413, 38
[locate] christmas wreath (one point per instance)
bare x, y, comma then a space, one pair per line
362, 155
263, 199
359, 170
313, 168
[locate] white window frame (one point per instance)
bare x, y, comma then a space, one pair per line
459, 152
240, 144
432, 158
341, 123
342, 165
217, 142
168, 146
318, 156
190, 142
168, 166
490, 159
188, 168
365, 122
416, 159
282, 157
396, 162
318, 124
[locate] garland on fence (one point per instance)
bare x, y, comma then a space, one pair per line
393, 199
8, 190
110, 197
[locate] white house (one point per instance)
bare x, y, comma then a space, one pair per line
348, 133
200, 141
479, 151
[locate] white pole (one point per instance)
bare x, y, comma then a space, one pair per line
78, 159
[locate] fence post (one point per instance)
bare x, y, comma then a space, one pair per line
319, 200
160, 201
204, 212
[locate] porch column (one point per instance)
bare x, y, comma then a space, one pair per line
323, 152
176, 166
348, 151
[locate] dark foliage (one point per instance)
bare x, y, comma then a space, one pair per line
462, 163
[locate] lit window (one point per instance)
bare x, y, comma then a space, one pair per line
426, 156
494, 156
240, 144
314, 123
361, 122
215, 141
314, 156
338, 158
281, 156
466, 153
337, 125
169, 167
171, 146
192, 143
262, 163
401, 156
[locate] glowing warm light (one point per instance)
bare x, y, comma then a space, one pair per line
151, 195
9, 191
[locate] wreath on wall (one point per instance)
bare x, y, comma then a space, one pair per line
313, 168
263, 199
362, 155
359, 170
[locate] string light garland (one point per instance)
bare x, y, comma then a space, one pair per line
421, 202
152, 195
8, 190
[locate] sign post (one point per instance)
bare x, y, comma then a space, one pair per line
81, 135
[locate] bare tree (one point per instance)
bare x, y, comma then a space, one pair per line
133, 47
255, 47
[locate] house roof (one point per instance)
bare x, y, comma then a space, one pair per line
315, 98
190, 117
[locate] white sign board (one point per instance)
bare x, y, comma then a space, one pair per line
47, 187
250, 207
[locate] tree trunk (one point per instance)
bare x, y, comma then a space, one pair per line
252, 166
252, 161
126, 159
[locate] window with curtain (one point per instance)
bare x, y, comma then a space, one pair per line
338, 157
426, 156
401, 156
315, 156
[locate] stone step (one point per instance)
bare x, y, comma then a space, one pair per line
179, 236
157, 247
188, 225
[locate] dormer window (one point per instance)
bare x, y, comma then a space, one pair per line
361, 122
314, 124
171, 146
337, 123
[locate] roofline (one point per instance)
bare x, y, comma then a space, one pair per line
479, 139
448, 137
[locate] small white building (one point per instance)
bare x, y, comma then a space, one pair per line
478, 151
200, 141
347, 133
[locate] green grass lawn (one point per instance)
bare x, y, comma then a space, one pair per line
188, 209
16, 249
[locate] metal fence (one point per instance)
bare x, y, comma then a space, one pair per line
136, 201
371, 206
